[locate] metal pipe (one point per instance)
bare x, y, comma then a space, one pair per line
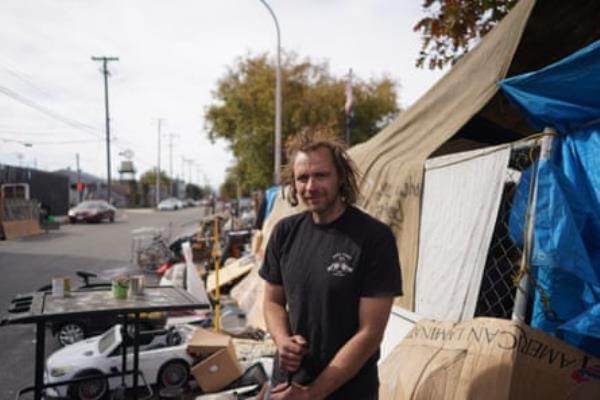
522, 295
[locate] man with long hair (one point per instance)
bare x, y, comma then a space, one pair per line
331, 275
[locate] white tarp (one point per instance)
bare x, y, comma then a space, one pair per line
461, 196
194, 284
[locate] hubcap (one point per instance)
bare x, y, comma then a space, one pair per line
92, 390
70, 334
174, 375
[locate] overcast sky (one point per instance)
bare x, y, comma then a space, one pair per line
171, 55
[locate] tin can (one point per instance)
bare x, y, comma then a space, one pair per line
61, 287
136, 285
66, 286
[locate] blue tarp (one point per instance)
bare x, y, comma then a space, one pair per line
271, 196
563, 95
566, 242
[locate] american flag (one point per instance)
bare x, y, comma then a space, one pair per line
348, 105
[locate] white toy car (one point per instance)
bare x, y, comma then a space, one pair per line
162, 360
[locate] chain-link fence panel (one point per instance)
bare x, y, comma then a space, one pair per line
497, 292
20, 210
149, 248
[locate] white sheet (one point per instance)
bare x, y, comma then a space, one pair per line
461, 196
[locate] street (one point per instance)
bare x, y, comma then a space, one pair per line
29, 263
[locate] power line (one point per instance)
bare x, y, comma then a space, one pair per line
25, 79
25, 142
49, 113
32, 133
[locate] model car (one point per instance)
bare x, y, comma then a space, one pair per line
170, 204
74, 330
92, 211
163, 360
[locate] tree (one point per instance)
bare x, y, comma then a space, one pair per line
452, 27
148, 180
229, 188
196, 192
244, 110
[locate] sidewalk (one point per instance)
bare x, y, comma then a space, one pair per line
137, 210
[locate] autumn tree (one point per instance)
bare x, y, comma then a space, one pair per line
452, 27
244, 110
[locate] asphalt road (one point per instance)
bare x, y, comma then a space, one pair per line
29, 263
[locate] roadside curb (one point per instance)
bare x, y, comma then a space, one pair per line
138, 210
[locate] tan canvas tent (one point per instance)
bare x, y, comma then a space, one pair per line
532, 35
529, 37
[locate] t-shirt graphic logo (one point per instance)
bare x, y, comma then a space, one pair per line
340, 265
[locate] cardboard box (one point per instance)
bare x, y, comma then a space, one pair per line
221, 367
486, 358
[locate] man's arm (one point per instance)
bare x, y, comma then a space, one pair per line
373, 316
291, 348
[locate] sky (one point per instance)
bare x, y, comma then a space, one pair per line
171, 56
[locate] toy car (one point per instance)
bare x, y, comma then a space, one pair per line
163, 360
73, 330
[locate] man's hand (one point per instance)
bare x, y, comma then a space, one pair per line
291, 352
285, 391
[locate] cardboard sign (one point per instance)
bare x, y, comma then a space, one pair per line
486, 358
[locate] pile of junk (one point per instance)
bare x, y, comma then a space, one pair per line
219, 353
228, 353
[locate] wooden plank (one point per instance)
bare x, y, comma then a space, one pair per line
17, 229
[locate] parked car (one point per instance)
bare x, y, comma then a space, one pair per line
76, 329
163, 360
170, 204
189, 202
92, 211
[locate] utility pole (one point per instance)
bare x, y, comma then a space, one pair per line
189, 162
171, 176
183, 162
105, 61
182, 168
158, 165
77, 186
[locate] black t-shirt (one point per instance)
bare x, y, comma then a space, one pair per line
325, 270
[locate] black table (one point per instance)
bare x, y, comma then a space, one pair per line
41, 307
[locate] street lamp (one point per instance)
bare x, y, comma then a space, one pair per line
277, 175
